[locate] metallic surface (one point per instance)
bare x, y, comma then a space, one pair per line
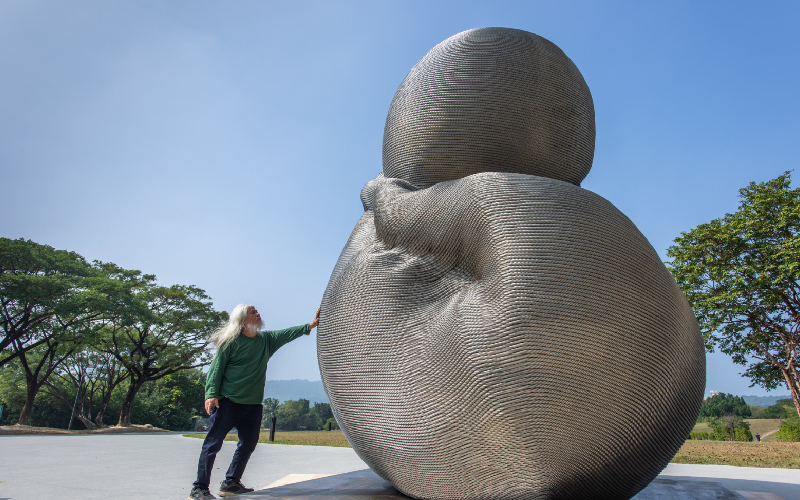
501, 333
491, 99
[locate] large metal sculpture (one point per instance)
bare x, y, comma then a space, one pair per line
491, 330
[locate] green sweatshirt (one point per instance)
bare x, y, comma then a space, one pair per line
239, 371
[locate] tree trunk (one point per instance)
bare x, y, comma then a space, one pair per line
85, 421
794, 389
98, 419
125, 412
27, 408
106, 399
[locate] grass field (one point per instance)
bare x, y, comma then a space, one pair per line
766, 427
764, 454
308, 438
782, 455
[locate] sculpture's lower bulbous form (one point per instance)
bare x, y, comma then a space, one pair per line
507, 336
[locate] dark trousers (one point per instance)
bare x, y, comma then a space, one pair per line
247, 419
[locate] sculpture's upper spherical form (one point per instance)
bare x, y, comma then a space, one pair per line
490, 100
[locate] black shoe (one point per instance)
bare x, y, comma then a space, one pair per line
200, 494
231, 487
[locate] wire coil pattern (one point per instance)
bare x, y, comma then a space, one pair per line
504, 335
490, 99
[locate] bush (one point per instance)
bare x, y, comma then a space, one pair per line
789, 431
742, 434
730, 428
700, 436
171, 401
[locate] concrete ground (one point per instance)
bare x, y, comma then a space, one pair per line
782, 482
143, 466
163, 466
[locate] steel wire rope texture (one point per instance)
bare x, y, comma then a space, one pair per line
491, 330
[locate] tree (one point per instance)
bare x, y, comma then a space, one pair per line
51, 301
38, 364
730, 427
724, 404
41, 288
774, 411
293, 415
166, 333
319, 414
789, 431
172, 400
270, 410
741, 274
12, 392
88, 378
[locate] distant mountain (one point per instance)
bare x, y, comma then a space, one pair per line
285, 390
763, 400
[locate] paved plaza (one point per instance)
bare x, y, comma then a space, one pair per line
163, 466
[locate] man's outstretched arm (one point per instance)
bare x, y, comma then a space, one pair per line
279, 338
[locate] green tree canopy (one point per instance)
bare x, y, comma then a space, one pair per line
52, 302
293, 415
270, 410
83, 330
319, 414
741, 274
170, 333
731, 428
724, 404
43, 292
171, 401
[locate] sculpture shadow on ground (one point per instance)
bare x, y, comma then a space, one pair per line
366, 485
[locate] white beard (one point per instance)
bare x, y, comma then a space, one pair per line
254, 328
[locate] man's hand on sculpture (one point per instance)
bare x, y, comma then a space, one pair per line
315, 322
211, 403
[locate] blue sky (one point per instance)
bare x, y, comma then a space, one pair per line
225, 144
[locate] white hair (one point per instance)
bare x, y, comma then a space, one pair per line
230, 330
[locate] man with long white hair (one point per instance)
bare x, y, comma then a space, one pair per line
234, 392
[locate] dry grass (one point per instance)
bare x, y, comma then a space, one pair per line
702, 427
21, 430
781, 455
308, 438
312, 438
769, 454
767, 427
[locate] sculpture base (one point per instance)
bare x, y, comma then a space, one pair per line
366, 485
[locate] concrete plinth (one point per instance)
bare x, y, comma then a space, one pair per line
366, 485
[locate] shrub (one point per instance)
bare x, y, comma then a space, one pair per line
730, 428
700, 436
789, 431
742, 434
